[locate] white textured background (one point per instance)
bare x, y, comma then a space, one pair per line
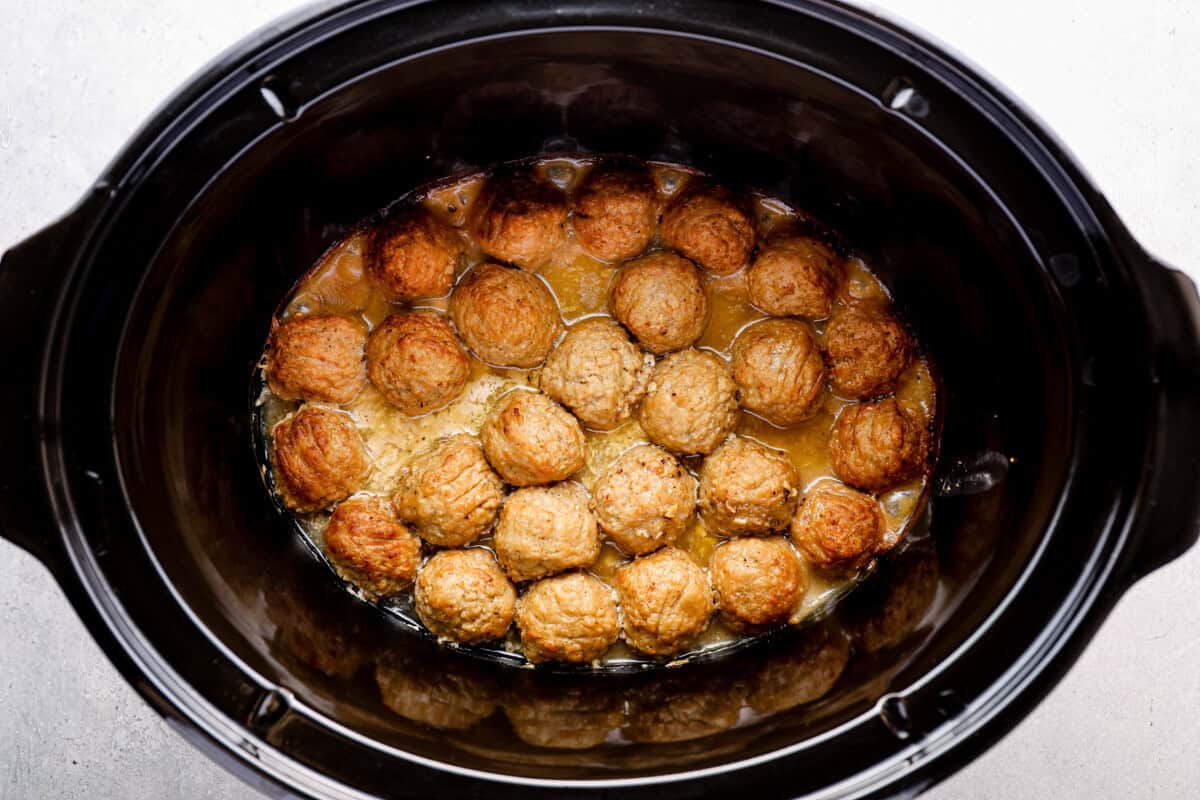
1118, 81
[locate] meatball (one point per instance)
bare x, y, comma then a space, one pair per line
530, 439
661, 300
507, 317
464, 596
758, 581
615, 213
548, 711
876, 445
867, 353
411, 255
803, 671
794, 276
597, 373
779, 372
747, 488
644, 499
317, 358
544, 530
666, 599
449, 494
690, 405
711, 227
837, 527
454, 696
320, 458
371, 547
416, 362
520, 220
569, 618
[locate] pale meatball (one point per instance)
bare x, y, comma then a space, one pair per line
530, 439
660, 298
520, 220
546, 529
411, 255
747, 488
691, 404
779, 371
759, 582
795, 276
570, 618
710, 226
453, 696
317, 358
562, 714
666, 601
319, 458
464, 596
371, 547
507, 317
644, 499
615, 213
597, 373
802, 671
415, 361
876, 445
449, 494
837, 527
867, 353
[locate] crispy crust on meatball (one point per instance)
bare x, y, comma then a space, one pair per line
794, 276
371, 547
878, 444
597, 373
529, 439
691, 403
710, 226
317, 358
779, 371
644, 499
747, 488
520, 220
661, 299
319, 457
867, 353
449, 494
615, 213
546, 529
570, 618
507, 317
464, 596
666, 601
415, 361
411, 255
759, 582
837, 527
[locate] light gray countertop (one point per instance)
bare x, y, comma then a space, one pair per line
1119, 82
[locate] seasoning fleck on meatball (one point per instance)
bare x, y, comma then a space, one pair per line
794, 276
779, 372
449, 494
615, 213
878, 444
371, 547
661, 300
867, 353
317, 358
453, 696
410, 255
666, 599
546, 529
597, 373
644, 499
837, 527
711, 227
690, 405
507, 317
759, 582
416, 362
747, 488
319, 457
464, 596
520, 220
530, 439
570, 618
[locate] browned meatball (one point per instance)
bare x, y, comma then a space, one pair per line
520, 220
411, 255
453, 696
615, 213
837, 527
644, 499
691, 404
867, 353
779, 372
661, 300
416, 362
507, 317
803, 671
747, 488
758, 581
711, 227
449, 493
597, 373
794, 276
666, 599
317, 358
544, 530
464, 596
878, 444
371, 547
319, 457
530, 439
546, 711
569, 618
